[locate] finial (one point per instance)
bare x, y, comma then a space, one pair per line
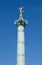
21, 10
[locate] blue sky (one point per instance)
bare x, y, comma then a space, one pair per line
8, 31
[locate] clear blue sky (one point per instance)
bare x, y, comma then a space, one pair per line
8, 31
